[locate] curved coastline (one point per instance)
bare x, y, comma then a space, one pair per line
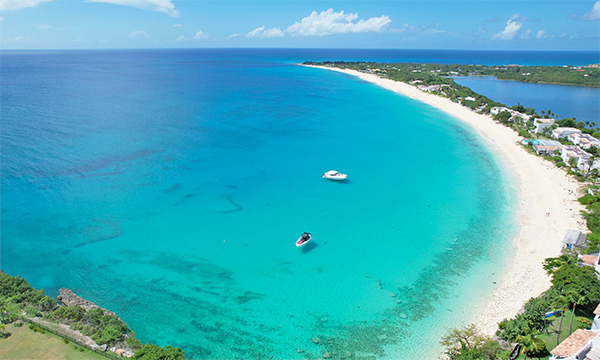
548, 204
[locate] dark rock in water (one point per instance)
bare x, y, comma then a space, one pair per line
316, 340
327, 355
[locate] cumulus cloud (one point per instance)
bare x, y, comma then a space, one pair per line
163, 6
180, 38
326, 22
260, 32
19, 4
513, 25
329, 22
200, 35
540, 34
233, 36
594, 14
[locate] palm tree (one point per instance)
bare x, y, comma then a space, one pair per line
562, 303
575, 297
551, 265
530, 343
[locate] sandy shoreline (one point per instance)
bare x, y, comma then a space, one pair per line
542, 188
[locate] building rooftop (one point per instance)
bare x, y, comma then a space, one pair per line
590, 260
571, 345
560, 129
575, 151
597, 311
574, 237
544, 142
545, 121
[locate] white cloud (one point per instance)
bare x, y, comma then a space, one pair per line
42, 26
177, 25
180, 38
434, 31
329, 22
164, 6
260, 32
19, 4
233, 36
541, 34
594, 14
526, 34
200, 35
513, 25
18, 39
138, 33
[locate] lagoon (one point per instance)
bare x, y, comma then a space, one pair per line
580, 102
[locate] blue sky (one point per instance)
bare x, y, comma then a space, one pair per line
404, 24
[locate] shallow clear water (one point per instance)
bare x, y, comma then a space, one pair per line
170, 187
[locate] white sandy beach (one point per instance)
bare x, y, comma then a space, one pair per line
543, 189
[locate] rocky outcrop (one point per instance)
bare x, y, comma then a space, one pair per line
68, 298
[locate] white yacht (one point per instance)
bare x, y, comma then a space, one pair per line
334, 175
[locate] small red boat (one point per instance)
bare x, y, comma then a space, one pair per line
303, 240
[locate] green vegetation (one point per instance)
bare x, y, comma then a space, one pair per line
17, 296
24, 344
432, 73
468, 343
592, 218
573, 287
18, 299
153, 352
102, 328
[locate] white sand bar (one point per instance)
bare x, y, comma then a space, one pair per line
543, 189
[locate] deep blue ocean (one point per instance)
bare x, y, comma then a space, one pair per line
170, 186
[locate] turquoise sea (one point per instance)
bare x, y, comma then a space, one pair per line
170, 186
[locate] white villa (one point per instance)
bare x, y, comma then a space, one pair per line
584, 140
563, 132
514, 115
541, 124
569, 152
546, 147
580, 345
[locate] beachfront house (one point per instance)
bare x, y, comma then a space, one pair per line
590, 260
573, 239
546, 147
569, 152
541, 124
595, 165
596, 323
563, 132
497, 110
579, 345
514, 115
584, 140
